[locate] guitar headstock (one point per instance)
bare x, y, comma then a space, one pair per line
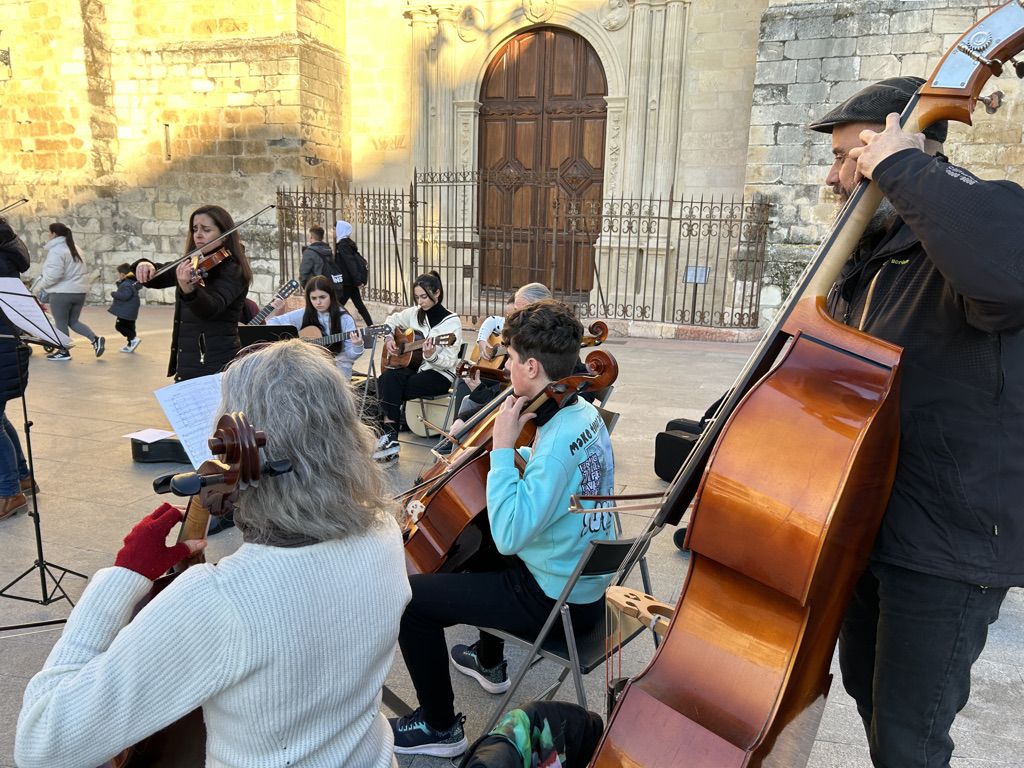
288, 289
446, 340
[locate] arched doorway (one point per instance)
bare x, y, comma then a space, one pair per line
542, 135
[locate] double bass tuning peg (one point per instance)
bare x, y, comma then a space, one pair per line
1018, 68
994, 100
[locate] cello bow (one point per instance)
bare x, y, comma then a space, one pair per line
789, 482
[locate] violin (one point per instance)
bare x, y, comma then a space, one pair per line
213, 490
446, 525
789, 482
202, 263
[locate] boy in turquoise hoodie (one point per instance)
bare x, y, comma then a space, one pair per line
530, 522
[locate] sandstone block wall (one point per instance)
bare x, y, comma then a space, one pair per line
119, 118
813, 55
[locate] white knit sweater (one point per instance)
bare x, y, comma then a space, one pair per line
286, 649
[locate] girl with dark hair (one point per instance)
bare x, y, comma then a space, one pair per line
65, 279
437, 371
206, 312
323, 311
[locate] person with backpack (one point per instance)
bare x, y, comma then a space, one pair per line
318, 259
355, 270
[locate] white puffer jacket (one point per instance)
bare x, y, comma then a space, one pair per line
61, 273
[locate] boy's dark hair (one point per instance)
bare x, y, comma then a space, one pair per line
124, 269
547, 331
317, 232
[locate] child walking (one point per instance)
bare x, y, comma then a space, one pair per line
125, 306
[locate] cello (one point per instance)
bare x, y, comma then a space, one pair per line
212, 490
446, 524
742, 673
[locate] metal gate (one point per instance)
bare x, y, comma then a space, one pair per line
685, 262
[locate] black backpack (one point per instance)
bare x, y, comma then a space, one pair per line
358, 269
330, 269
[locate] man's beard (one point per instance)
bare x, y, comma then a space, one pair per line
879, 221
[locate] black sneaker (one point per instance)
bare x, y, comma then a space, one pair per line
58, 355
491, 679
98, 345
414, 737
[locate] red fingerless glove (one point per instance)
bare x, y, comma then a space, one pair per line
144, 550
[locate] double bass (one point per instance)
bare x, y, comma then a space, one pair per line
789, 483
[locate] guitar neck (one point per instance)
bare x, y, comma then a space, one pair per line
367, 333
262, 315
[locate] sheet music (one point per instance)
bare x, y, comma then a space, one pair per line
23, 310
191, 407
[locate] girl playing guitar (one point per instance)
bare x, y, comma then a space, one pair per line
434, 376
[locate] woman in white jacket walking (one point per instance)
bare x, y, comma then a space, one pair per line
66, 280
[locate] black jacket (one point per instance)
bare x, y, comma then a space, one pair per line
125, 305
13, 359
205, 334
949, 288
312, 264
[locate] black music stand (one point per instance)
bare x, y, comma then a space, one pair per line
31, 326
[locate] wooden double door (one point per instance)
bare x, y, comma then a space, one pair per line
542, 136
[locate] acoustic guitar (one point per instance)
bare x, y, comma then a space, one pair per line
492, 355
409, 352
314, 335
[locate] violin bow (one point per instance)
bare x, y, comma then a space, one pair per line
198, 251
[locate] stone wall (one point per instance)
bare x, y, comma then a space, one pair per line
119, 118
813, 55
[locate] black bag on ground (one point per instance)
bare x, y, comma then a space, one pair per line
672, 446
169, 449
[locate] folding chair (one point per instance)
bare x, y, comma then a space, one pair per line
363, 380
576, 654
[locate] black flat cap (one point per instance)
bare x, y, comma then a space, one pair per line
873, 103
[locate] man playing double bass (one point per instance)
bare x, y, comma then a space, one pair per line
939, 271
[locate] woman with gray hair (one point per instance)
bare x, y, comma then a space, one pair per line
304, 616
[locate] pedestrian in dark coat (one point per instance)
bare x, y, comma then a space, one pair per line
353, 269
206, 313
940, 272
14, 472
125, 306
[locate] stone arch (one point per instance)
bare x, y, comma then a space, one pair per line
588, 27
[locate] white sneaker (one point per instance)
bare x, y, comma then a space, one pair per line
387, 449
126, 348
133, 344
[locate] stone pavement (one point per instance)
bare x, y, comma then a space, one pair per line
92, 493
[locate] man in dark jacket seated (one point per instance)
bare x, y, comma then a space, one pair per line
939, 271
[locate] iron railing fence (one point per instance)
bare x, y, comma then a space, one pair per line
686, 262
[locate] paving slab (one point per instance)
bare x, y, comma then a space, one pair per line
93, 493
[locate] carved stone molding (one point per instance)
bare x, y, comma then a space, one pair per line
471, 24
614, 14
538, 11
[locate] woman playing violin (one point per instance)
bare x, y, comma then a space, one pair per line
287, 641
208, 306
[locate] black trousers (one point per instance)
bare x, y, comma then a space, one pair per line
906, 649
352, 292
126, 328
509, 600
396, 385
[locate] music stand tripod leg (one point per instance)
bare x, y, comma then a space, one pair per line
45, 568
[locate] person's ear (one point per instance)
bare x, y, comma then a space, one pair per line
533, 367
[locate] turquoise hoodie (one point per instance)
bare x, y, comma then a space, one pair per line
530, 516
